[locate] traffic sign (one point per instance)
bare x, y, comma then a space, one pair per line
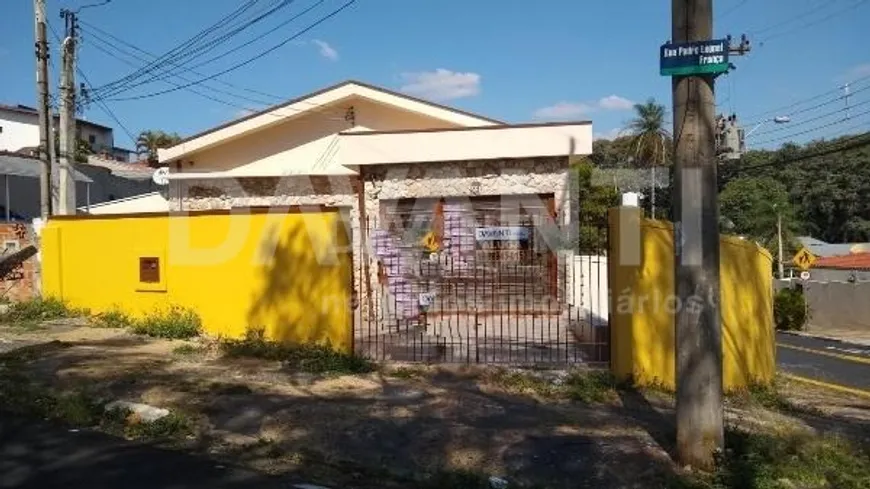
805, 275
430, 242
804, 259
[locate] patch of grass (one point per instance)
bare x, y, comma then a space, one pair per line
584, 386
407, 372
35, 310
188, 349
114, 318
757, 460
314, 359
173, 323
770, 397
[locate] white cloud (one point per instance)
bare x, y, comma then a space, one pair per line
857, 72
563, 110
615, 102
611, 134
569, 110
326, 50
441, 84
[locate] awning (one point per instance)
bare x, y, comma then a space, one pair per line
23, 166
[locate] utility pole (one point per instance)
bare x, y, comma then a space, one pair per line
698, 329
779, 243
67, 184
44, 109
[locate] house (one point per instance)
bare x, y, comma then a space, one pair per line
97, 181
822, 249
19, 130
852, 268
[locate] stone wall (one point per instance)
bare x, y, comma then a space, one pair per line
22, 283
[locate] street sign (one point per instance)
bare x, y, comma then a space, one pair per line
803, 259
694, 58
805, 275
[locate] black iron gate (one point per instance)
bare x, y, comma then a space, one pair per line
482, 280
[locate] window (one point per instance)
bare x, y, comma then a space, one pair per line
92, 139
10, 246
1, 129
149, 270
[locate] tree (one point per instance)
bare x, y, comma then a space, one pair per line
751, 207
592, 202
149, 142
650, 141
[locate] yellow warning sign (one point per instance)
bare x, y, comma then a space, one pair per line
430, 242
804, 259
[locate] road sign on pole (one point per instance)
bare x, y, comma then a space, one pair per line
694, 58
804, 259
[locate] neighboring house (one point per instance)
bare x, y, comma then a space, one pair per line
19, 130
852, 268
96, 182
821, 248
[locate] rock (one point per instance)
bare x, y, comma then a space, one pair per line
147, 413
497, 482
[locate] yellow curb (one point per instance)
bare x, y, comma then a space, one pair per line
848, 358
819, 383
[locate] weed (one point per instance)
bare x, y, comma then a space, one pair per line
407, 373
188, 349
172, 426
304, 358
585, 386
769, 396
174, 323
114, 318
39, 309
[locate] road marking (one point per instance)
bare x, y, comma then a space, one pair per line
848, 358
827, 385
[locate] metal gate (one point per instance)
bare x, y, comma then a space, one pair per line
482, 280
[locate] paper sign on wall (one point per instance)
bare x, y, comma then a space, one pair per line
502, 233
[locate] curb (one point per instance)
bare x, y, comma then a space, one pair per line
826, 338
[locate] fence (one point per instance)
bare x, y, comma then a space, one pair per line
481, 281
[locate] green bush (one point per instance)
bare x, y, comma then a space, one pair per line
303, 358
789, 310
114, 318
173, 323
38, 309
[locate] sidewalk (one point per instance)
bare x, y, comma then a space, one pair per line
855, 336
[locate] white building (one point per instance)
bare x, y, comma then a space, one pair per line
19, 131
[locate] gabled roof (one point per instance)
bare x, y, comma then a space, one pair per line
312, 102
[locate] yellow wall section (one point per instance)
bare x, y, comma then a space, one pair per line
642, 305
287, 273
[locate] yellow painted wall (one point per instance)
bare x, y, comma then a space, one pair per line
642, 316
287, 273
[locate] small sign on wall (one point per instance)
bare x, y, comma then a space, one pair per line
502, 233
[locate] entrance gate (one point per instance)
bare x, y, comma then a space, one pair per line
483, 280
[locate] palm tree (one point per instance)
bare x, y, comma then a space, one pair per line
650, 140
149, 142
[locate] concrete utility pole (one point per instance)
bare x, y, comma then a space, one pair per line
44, 109
779, 243
698, 329
67, 184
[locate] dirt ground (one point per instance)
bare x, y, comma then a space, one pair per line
340, 431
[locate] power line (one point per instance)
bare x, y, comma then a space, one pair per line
248, 61
180, 58
857, 142
812, 129
836, 99
823, 116
732, 9
814, 22
227, 53
106, 108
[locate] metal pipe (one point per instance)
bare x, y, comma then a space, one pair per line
6, 191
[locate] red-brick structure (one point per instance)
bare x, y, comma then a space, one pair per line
21, 284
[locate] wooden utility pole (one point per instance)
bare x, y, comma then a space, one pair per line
696, 210
44, 109
67, 184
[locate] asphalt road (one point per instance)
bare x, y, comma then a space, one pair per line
824, 360
38, 455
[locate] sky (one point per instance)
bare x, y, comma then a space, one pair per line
512, 60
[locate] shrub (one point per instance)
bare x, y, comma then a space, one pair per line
593, 386
304, 358
114, 318
789, 310
174, 323
39, 309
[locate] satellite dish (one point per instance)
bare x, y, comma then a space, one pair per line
161, 176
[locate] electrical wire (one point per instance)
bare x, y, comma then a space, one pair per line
791, 125
812, 129
249, 60
178, 60
840, 96
814, 22
732, 9
857, 141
